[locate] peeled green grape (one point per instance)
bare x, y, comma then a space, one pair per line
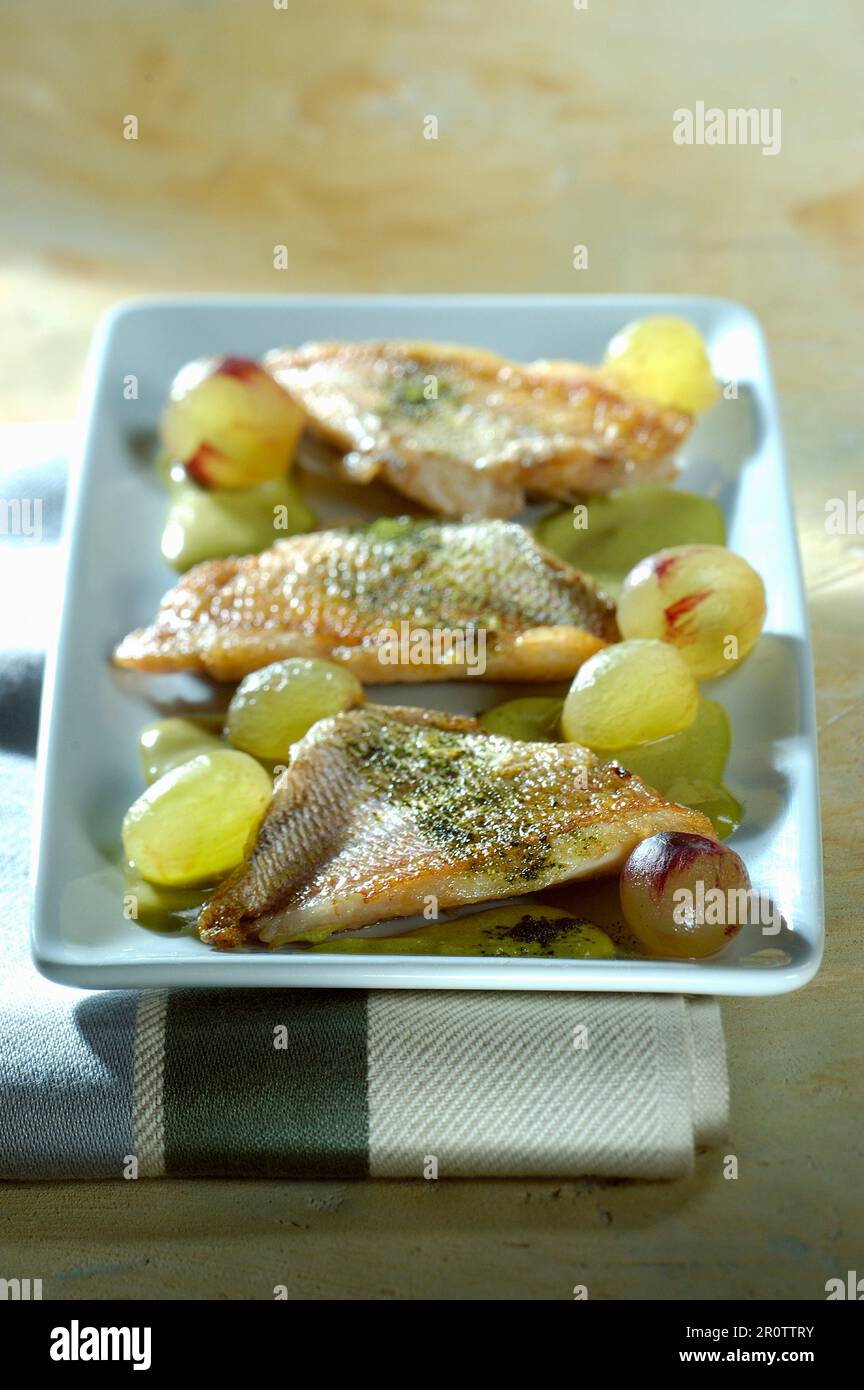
629, 693
606, 536
664, 358
168, 742
230, 423
684, 895
274, 707
704, 600
533, 719
521, 930
193, 825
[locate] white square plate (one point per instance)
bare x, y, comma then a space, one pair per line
115, 577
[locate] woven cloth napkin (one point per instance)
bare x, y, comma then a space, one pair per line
294, 1083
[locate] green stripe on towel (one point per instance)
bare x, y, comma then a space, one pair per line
236, 1102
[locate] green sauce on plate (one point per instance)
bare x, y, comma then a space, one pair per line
619, 530
211, 523
686, 767
528, 929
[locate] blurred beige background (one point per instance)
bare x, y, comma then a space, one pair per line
304, 127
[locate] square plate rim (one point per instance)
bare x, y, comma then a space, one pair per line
396, 971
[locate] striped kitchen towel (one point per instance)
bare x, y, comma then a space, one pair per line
313, 1084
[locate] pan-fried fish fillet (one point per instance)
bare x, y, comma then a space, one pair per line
468, 433
381, 807
346, 595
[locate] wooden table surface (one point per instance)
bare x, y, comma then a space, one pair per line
304, 127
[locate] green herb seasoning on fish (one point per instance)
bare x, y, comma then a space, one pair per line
377, 599
383, 811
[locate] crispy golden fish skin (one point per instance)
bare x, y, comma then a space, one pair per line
345, 595
382, 807
468, 433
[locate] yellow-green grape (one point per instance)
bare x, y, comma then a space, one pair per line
629, 693
605, 536
533, 719
274, 707
683, 895
665, 359
167, 743
521, 930
230, 423
704, 600
193, 825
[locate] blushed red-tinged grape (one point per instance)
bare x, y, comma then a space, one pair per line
230, 423
703, 599
629, 693
683, 895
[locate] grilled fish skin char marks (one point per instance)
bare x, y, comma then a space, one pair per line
335, 594
382, 807
468, 433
